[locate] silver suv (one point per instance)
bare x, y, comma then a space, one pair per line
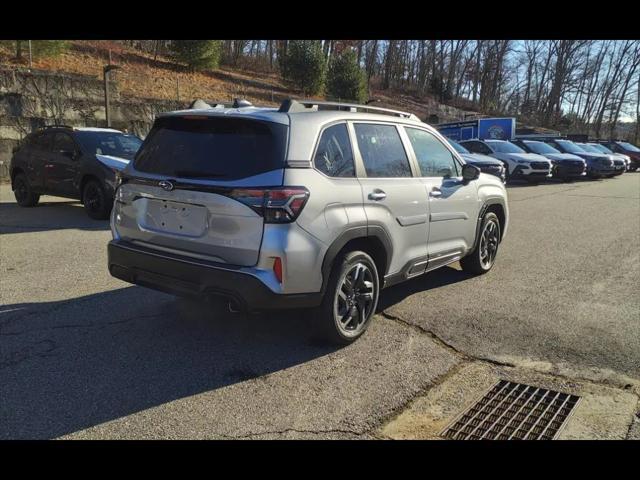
313, 205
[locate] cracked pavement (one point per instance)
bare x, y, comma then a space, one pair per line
83, 355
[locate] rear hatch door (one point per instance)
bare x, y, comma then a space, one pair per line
193, 184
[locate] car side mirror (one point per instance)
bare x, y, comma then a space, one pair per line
469, 172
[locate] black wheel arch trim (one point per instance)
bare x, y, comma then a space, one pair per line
354, 233
483, 211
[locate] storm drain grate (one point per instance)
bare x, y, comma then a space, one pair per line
513, 411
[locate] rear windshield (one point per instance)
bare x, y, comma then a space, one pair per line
212, 147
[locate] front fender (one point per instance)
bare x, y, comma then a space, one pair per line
492, 193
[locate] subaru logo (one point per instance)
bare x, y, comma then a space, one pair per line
166, 185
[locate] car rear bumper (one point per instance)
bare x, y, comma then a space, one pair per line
198, 278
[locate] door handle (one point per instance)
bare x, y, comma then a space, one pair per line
377, 195
435, 192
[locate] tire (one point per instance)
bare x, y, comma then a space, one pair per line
25, 197
476, 262
342, 300
96, 202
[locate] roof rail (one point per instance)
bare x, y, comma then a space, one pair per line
291, 105
57, 126
237, 103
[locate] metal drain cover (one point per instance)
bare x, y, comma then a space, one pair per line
513, 411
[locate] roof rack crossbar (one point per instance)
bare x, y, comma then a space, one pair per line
295, 106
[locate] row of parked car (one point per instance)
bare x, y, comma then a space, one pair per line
537, 158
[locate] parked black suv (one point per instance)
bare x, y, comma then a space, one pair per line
79, 163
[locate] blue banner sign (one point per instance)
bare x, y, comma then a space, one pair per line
482, 129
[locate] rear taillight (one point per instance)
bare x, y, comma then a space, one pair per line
276, 205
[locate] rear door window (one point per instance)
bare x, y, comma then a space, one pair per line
382, 151
334, 156
212, 147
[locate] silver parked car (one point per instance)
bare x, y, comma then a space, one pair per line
314, 205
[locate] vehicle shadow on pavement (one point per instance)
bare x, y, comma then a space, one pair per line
521, 183
438, 278
47, 216
70, 365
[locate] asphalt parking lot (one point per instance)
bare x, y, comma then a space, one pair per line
84, 355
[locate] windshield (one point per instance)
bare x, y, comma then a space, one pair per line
115, 144
601, 148
212, 147
570, 146
628, 146
458, 148
505, 147
541, 148
589, 148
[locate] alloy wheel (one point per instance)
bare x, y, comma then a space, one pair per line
354, 299
489, 244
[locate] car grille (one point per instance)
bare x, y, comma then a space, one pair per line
539, 165
572, 166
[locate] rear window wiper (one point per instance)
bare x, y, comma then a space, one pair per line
196, 174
